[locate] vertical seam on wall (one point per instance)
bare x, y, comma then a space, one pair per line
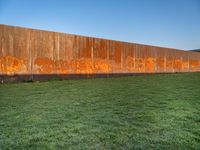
30, 54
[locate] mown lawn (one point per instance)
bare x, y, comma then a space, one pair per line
138, 112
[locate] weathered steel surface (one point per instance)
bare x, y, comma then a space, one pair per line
30, 53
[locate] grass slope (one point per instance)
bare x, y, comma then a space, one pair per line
138, 112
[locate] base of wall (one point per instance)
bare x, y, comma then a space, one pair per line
45, 77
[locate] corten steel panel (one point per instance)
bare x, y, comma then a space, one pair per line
140, 62
42, 47
169, 60
36, 54
160, 59
150, 61
100, 56
194, 62
66, 55
83, 49
14, 55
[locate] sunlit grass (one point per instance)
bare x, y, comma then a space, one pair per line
138, 112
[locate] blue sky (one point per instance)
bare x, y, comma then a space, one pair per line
167, 23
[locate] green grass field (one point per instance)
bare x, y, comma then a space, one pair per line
138, 112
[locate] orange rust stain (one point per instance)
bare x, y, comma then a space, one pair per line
169, 64
102, 66
160, 64
140, 64
185, 65
150, 64
62, 66
177, 64
84, 66
130, 63
80, 66
44, 64
89, 66
11, 65
194, 65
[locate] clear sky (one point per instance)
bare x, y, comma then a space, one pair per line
167, 23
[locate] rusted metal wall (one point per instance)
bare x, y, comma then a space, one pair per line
31, 53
